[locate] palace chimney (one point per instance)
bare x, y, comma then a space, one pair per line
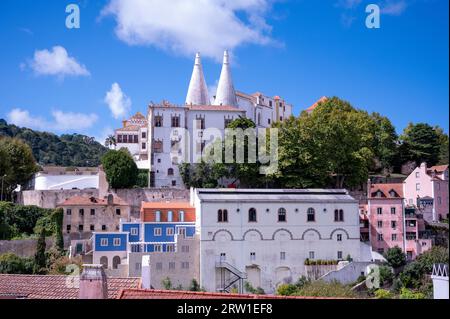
93, 283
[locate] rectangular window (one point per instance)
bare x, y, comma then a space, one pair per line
92, 211
103, 227
119, 138
125, 139
184, 249
379, 224
393, 210
185, 265
175, 121
439, 200
252, 256
417, 174
311, 255
134, 231
379, 210
394, 237
170, 248
118, 211
393, 224
80, 227
159, 266
138, 266
182, 231
380, 237
144, 135
104, 242
92, 228
282, 255
69, 212
169, 231
418, 187
171, 265
116, 242
339, 237
157, 248
158, 121
157, 232
81, 212
69, 227
339, 255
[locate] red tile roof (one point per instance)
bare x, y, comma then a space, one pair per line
166, 205
172, 294
226, 108
55, 287
386, 189
438, 168
312, 107
91, 201
129, 128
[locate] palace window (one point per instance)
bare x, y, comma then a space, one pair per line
176, 121
119, 138
252, 215
311, 215
282, 215
339, 237
158, 121
81, 212
282, 255
222, 216
339, 215
125, 139
339, 255
136, 139
170, 172
393, 224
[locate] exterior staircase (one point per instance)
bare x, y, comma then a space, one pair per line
229, 276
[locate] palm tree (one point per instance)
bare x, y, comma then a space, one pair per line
111, 141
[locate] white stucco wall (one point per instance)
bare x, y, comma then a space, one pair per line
57, 182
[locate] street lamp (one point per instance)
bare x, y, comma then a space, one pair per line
3, 178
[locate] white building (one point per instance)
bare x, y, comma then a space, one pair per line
168, 124
264, 236
60, 178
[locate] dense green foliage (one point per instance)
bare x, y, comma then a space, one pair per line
383, 294
142, 179
40, 259
120, 168
50, 149
395, 257
17, 165
422, 143
12, 264
318, 288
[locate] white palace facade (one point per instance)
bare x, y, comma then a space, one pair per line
152, 139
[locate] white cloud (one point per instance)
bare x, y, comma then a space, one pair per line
394, 7
188, 26
118, 102
56, 62
61, 122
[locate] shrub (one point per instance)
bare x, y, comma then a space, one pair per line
194, 286
386, 275
167, 283
326, 289
286, 290
12, 264
408, 294
395, 257
383, 294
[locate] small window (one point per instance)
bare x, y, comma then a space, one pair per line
80, 227
144, 146
182, 231
339, 255
118, 212
170, 172
339, 215
69, 228
116, 242
144, 135
311, 255
252, 256
394, 237
169, 231
159, 266
170, 216
138, 266
311, 215
417, 174
393, 210
81, 212
282, 215
92, 227
380, 237
181, 216
69, 212
157, 232
380, 211
174, 183
171, 265
185, 265
104, 242
339, 237
222, 216
157, 216
92, 212
252, 215
103, 227
157, 248
185, 249
134, 231
393, 224
282, 255
418, 187
170, 248
380, 224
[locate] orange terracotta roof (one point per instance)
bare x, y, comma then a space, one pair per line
385, 189
166, 205
322, 100
226, 108
438, 168
92, 201
129, 128
55, 287
172, 294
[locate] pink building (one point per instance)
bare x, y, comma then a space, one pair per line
391, 224
427, 190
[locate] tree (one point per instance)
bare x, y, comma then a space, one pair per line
395, 257
120, 168
12, 264
422, 143
40, 259
385, 139
444, 146
111, 141
18, 164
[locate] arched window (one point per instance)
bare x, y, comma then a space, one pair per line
336, 215
225, 215
282, 215
170, 216
104, 262
311, 215
170, 172
341, 215
157, 216
181, 216
116, 262
252, 215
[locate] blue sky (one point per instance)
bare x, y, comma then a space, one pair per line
300, 50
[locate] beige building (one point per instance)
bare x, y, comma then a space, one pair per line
85, 215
